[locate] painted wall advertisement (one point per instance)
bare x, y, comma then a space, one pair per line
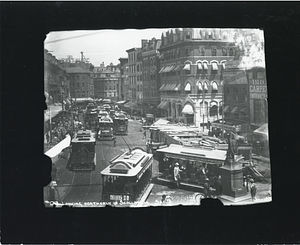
258, 89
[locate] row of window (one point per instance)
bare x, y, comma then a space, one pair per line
201, 51
149, 61
82, 85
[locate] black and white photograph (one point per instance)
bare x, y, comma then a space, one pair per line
156, 117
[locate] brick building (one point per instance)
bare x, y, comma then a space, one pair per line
150, 75
191, 64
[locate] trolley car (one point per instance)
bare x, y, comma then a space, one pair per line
83, 155
127, 177
105, 131
120, 124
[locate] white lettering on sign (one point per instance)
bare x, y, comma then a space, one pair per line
258, 89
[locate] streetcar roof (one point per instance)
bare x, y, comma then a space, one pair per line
186, 151
84, 136
129, 164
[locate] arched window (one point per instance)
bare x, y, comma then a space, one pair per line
199, 86
214, 87
205, 87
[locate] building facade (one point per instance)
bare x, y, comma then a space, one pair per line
150, 75
56, 79
191, 64
132, 75
124, 78
81, 82
106, 81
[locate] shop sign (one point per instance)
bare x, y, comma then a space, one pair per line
258, 89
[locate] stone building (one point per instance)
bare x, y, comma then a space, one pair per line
106, 81
124, 84
56, 79
134, 76
191, 64
81, 82
151, 78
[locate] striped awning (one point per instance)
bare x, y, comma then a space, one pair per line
205, 86
205, 66
199, 66
226, 109
160, 104
234, 110
164, 106
177, 88
214, 86
162, 87
161, 70
200, 86
187, 87
177, 68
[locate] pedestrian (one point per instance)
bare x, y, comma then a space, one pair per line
245, 183
144, 134
177, 174
206, 190
218, 186
47, 138
258, 148
54, 172
115, 142
253, 189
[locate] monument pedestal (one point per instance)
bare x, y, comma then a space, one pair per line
232, 181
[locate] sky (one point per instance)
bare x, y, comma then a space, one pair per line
98, 46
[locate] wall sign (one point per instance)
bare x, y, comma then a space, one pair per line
258, 89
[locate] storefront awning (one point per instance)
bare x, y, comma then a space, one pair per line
162, 87
161, 70
188, 109
164, 106
160, 104
263, 130
205, 66
177, 68
234, 110
177, 88
199, 65
226, 109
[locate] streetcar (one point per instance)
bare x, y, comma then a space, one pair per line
82, 155
197, 165
120, 124
91, 119
149, 119
105, 130
128, 177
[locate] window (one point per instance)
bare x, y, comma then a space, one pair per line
202, 51
188, 36
231, 52
260, 75
224, 51
213, 52
214, 87
187, 51
77, 77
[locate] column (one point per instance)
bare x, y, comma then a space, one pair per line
197, 115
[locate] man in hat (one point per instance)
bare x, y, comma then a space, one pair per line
177, 174
253, 189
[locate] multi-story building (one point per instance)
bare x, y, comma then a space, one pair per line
106, 81
81, 82
191, 64
56, 79
124, 85
245, 99
132, 75
150, 75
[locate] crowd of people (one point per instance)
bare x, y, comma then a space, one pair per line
61, 127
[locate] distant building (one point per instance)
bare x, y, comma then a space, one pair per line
191, 64
124, 84
150, 75
106, 81
133, 62
56, 79
81, 82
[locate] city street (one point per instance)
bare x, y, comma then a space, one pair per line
84, 188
